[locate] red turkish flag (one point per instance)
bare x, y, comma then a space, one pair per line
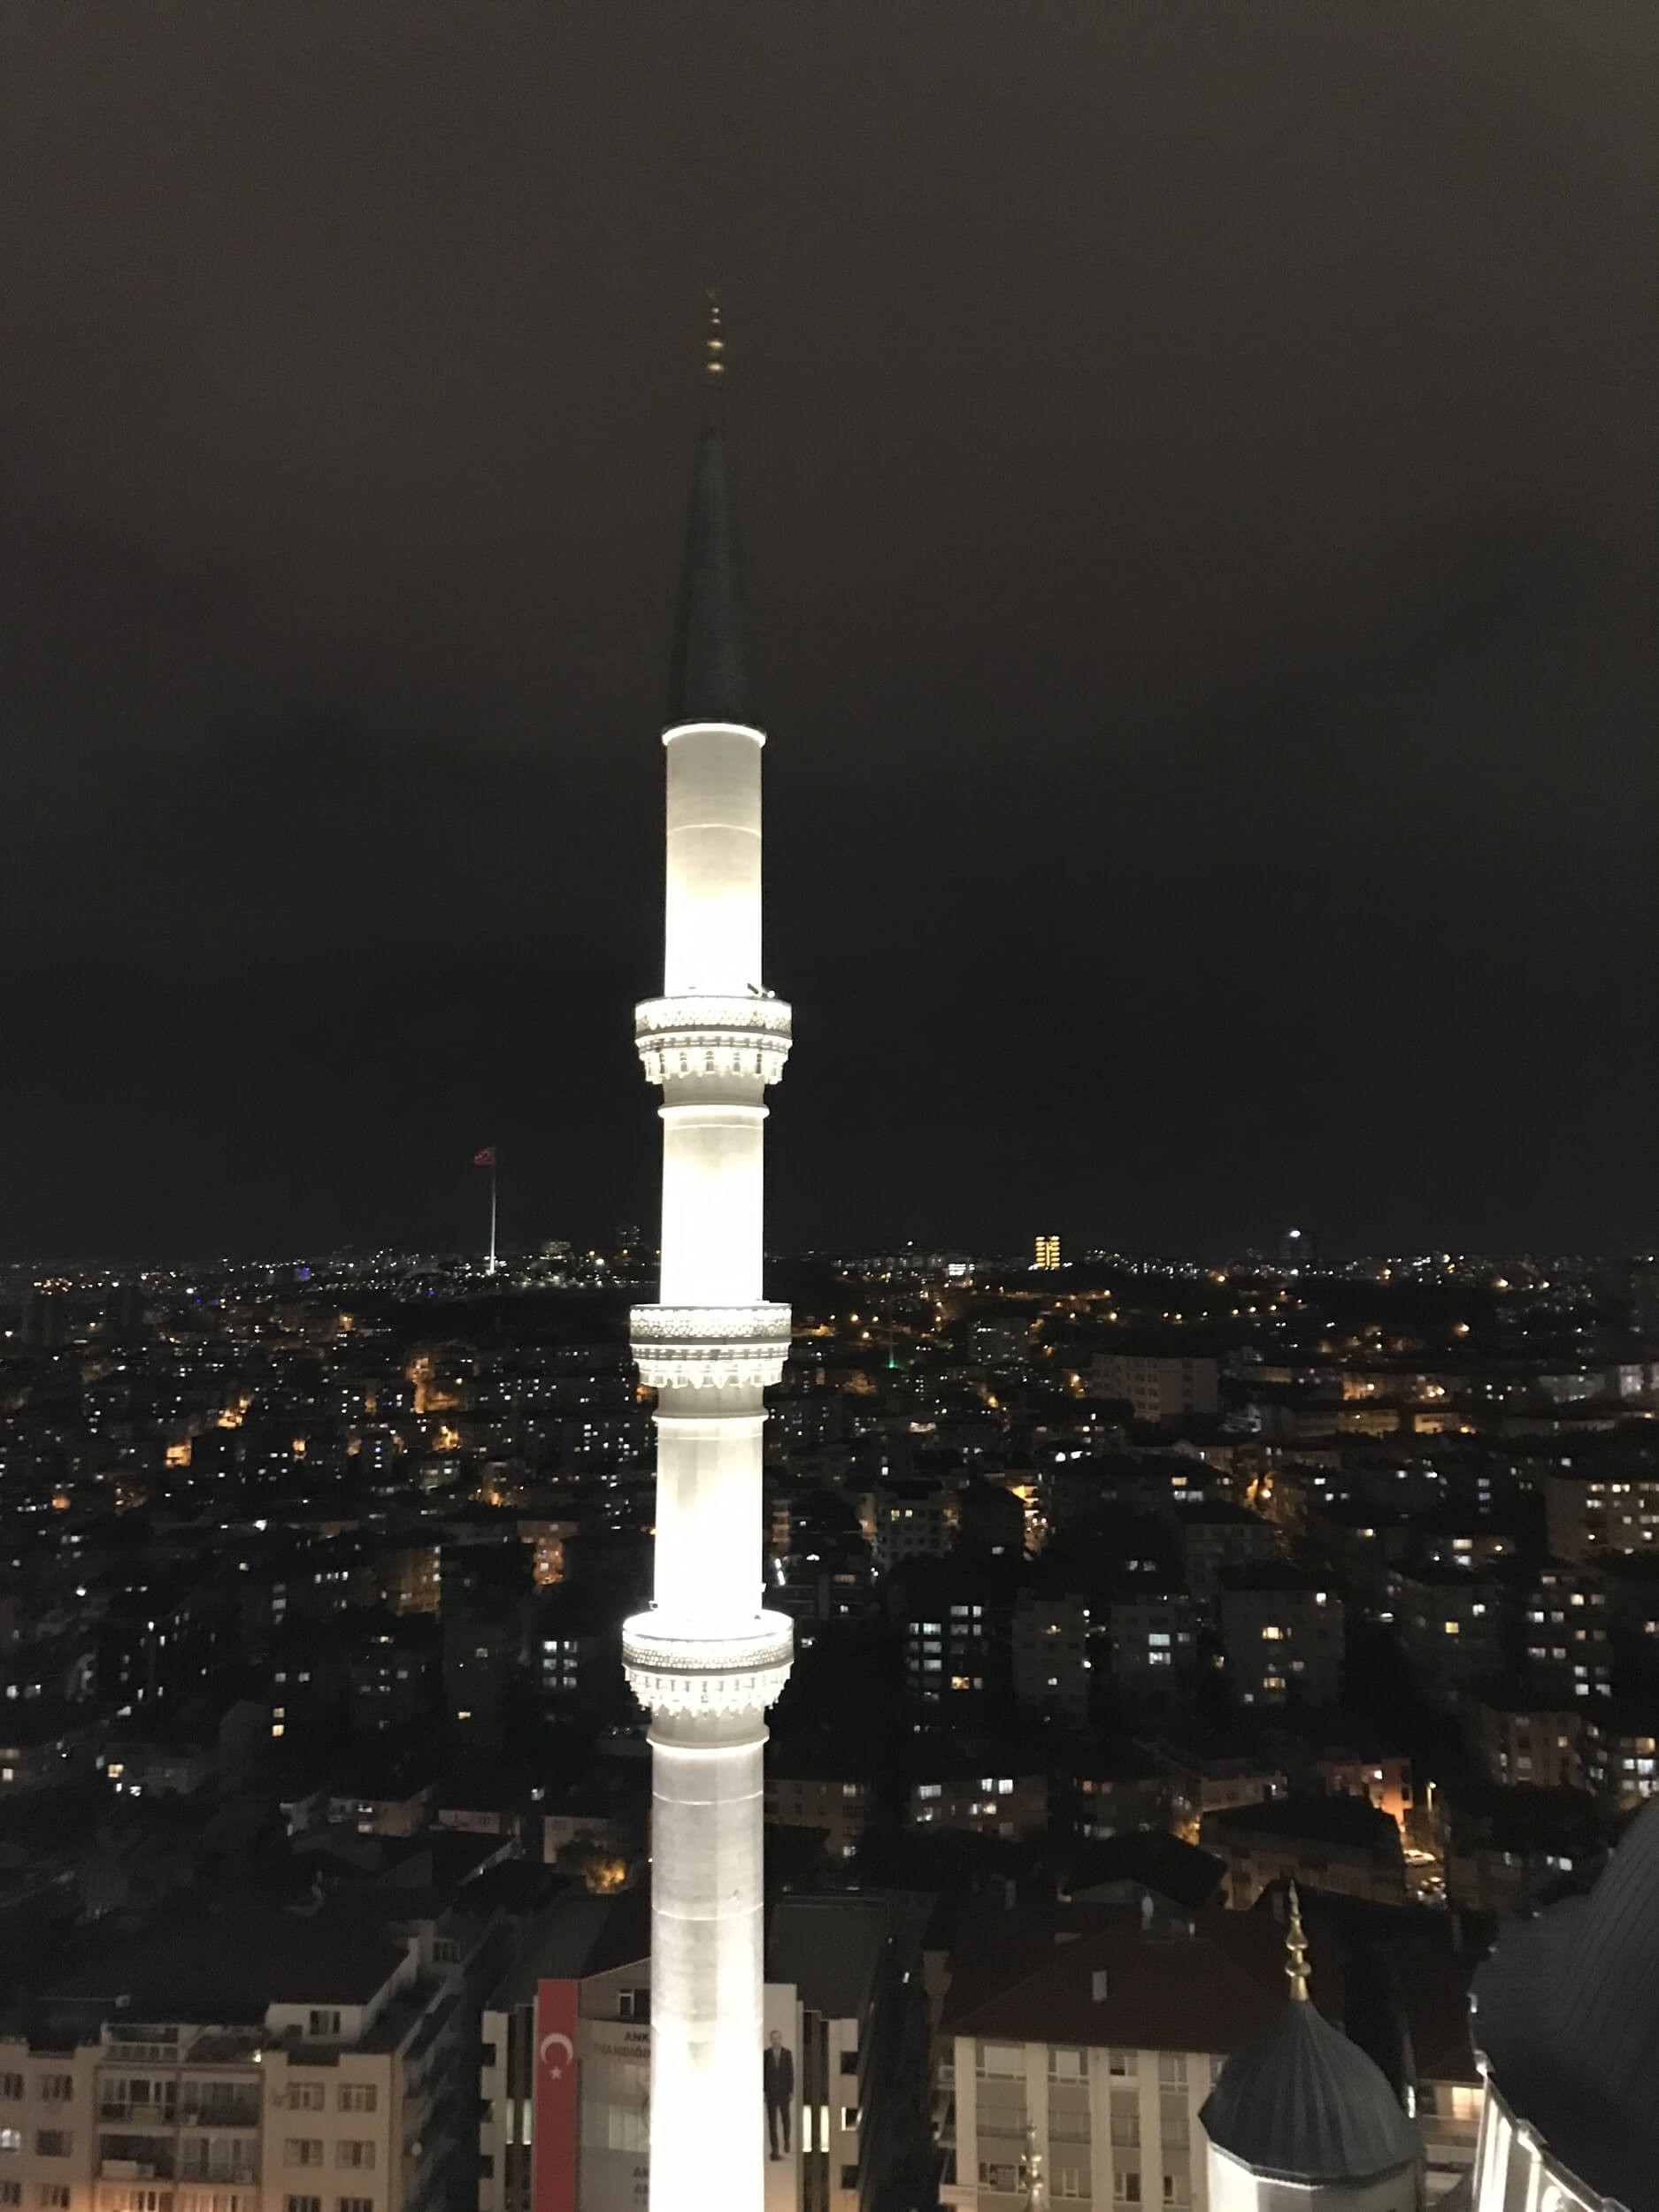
485, 1158
554, 2085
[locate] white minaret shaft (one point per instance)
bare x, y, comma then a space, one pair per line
707, 1660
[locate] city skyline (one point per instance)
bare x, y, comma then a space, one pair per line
1205, 595
1081, 1629
1197, 1586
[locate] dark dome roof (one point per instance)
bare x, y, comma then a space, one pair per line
1567, 2014
1300, 2102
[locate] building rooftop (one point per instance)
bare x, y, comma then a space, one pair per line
831, 1948
1339, 1822
234, 1963
823, 1755
578, 1936
1148, 1859
1276, 1574
1207, 1991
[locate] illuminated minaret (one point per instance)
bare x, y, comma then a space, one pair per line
706, 1660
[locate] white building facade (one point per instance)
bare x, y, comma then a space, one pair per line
331, 2107
1114, 2126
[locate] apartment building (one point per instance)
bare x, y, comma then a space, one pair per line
1104, 2041
824, 1786
564, 2062
249, 2061
1450, 1628
980, 1789
1383, 1778
1568, 1640
1217, 1536
1342, 1845
1153, 1638
851, 1967
1282, 1631
1159, 1389
564, 2075
912, 1520
1621, 1754
1050, 1655
1521, 1739
1588, 1516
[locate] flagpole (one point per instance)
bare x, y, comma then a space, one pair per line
492, 1213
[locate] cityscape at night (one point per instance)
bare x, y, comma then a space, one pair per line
1125, 1591
1030, 1579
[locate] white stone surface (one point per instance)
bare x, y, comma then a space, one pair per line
707, 1660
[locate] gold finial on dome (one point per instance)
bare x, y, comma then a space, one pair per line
714, 345
1296, 1946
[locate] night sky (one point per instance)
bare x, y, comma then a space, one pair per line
1197, 470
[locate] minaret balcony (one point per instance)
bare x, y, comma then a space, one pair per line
709, 1347
687, 1042
678, 1667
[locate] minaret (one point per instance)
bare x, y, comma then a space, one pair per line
706, 1660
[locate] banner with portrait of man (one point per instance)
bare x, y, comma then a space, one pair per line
781, 2085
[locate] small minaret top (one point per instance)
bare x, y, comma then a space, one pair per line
1296, 1951
714, 344
1036, 2187
710, 678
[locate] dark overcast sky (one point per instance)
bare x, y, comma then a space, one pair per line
1196, 467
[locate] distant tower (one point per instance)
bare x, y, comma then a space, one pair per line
1297, 1249
1045, 1252
1300, 2120
706, 1660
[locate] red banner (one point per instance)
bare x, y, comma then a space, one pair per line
555, 2095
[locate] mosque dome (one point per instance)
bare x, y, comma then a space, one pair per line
1567, 2016
1300, 2102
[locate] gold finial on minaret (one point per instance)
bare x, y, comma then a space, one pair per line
1297, 1946
1030, 2175
714, 345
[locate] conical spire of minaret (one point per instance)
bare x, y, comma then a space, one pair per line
710, 679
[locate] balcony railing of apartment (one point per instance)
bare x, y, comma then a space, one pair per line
155, 2164
224, 2112
146, 2045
